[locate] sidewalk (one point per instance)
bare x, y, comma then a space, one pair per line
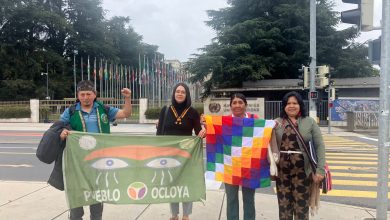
37, 200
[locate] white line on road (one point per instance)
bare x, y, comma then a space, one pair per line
34, 148
368, 138
16, 165
16, 153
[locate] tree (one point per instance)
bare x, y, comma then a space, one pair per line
31, 35
270, 39
35, 34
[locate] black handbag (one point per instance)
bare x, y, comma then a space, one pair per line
164, 119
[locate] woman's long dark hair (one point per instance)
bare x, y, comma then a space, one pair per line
302, 108
240, 96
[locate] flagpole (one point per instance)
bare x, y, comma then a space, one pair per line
88, 69
143, 76
74, 73
139, 79
94, 72
159, 80
101, 77
82, 70
132, 80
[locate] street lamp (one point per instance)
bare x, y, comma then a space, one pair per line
47, 82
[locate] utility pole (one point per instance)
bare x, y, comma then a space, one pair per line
384, 143
313, 58
47, 81
330, 103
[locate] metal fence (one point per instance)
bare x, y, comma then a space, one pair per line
14, 103
50, 110
366, 119
272, 110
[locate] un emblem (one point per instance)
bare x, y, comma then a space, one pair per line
214, 107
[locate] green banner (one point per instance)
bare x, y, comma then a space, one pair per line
121, 169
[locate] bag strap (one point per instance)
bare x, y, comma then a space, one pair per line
313, 165
164, 119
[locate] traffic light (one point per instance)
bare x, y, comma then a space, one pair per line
305, 77
313, 95
322, 79
336, 94
362, 16
374, 51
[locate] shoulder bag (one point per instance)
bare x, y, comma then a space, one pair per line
326, 183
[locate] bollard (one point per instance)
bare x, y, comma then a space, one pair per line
350, 121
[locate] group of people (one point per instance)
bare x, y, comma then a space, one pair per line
294, 177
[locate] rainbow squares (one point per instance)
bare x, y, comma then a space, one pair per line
237, 150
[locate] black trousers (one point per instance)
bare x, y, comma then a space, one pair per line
96, 211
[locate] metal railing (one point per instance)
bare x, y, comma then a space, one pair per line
366, 119
14, 103
50, 110
272, 110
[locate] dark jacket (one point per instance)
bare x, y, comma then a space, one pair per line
51, 148
51, 145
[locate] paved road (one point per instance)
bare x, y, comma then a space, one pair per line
352, 160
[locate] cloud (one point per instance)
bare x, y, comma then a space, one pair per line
176, 26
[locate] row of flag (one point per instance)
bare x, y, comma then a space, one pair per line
152, 79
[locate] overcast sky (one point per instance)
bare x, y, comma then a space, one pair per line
177, 26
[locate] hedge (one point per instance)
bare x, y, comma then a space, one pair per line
15, 112
153, 113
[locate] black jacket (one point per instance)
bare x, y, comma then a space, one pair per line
51, 148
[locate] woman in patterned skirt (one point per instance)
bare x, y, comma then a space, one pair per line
295, 175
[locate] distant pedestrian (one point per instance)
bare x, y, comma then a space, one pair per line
295, 176
90, 115
180, 119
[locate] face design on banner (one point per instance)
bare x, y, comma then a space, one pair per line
159, 160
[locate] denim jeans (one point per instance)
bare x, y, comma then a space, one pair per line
187, 208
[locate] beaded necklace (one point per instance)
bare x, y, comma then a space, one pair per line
178, 118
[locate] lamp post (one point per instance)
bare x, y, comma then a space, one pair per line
47, 81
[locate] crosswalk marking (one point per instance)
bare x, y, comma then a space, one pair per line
351, 154
350, 158
333, 141
334, 167
353, 193
355, 175
351, 162
355, 183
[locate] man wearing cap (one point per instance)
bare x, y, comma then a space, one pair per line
89, 115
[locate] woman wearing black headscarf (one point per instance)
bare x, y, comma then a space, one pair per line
180, 119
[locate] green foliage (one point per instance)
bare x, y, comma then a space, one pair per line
15, 112
152, 113
199, 109
43, 36
270, 40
